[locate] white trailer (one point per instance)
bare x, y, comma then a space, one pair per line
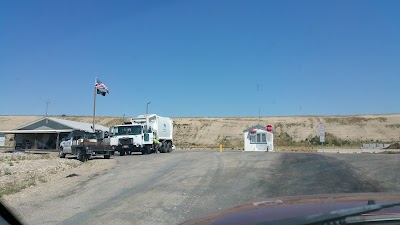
138, 134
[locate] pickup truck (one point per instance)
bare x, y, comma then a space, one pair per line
85, 144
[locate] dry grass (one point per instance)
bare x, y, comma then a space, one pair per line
15, 157
15, 185
353, 120
19, 171
397, 125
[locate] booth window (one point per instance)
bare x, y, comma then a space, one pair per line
260, 138
252, 138
263, 138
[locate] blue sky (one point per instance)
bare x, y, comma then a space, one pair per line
200, 58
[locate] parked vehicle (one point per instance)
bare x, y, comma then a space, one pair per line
85, 144
139, 134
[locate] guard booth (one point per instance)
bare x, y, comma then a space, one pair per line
258, 138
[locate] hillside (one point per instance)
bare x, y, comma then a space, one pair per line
289, 130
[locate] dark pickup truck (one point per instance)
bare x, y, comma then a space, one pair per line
85, 144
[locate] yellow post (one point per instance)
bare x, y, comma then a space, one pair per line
220, 147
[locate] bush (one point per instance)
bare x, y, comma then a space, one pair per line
336, 142
284, 139
330, 139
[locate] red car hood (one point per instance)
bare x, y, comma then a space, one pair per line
276, 209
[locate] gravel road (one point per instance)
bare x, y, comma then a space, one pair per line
172, 188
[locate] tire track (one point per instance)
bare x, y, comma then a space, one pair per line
227, 181
160, 175
307, 174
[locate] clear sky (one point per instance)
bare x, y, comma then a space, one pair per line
200, 58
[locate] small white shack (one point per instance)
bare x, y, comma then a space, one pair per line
258, 138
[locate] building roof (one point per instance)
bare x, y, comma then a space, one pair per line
258, 126
55, 125
37, 131
144, 116
79, 125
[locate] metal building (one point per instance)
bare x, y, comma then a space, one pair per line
47, 132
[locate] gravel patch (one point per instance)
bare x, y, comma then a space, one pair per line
19, 171
24, 177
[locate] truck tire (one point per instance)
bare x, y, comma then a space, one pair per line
62, 154
121, 152
107, 156
80, 156
147, 149
163, 148
169, 147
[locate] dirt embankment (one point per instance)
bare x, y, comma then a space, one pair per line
289, 130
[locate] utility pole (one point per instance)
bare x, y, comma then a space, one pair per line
147, 112
94, 104
147, 108
47, 106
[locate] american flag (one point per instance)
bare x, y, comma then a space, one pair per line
100, 84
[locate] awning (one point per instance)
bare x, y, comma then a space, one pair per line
253, 131
35, 131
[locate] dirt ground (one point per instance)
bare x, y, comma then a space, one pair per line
172, 188
25, 175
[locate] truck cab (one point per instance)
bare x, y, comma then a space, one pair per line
138, 135
130, 138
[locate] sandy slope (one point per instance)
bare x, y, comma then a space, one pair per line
209, 132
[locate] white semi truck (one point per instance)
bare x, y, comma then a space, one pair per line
138, 134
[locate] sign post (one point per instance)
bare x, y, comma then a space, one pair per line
321, 132
322, 139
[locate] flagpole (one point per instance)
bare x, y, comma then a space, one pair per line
94, 104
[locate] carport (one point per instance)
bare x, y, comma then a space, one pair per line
46, 133
38, 139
